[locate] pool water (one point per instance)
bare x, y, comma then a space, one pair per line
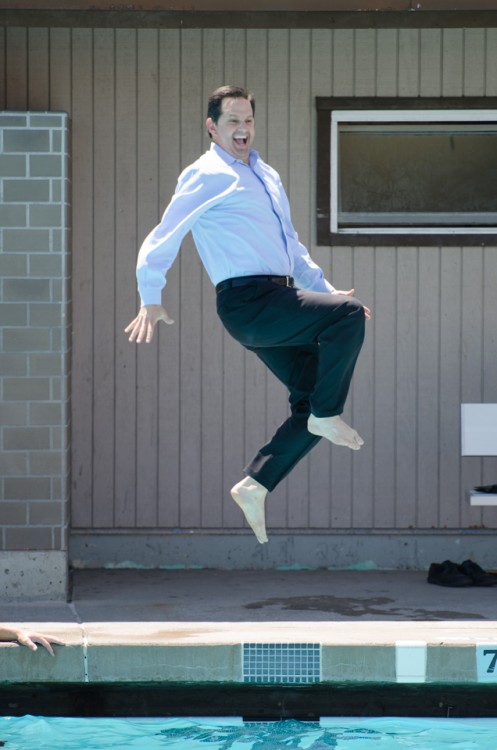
40, 733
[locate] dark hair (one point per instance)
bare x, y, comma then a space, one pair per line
215, 104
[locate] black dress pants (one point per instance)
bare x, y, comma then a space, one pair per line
310, 341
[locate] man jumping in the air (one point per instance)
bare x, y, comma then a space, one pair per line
271, 296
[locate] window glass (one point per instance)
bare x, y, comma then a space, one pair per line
413, 176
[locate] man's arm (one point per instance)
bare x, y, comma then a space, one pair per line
194, 195
197, 191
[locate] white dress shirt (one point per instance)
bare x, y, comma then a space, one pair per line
239, 217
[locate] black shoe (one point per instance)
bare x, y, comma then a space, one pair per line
477, 574
448, 574
490, 488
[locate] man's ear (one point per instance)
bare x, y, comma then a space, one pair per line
210, 125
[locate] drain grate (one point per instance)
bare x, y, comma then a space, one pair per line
282, 662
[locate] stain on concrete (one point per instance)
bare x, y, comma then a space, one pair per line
360, 607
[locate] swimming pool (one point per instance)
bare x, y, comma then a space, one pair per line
349, 733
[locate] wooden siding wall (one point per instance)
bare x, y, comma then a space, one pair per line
160, 433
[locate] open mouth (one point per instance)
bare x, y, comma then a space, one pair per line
241, 140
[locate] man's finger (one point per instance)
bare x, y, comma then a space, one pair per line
150, 331
25, 640
47, 645
133, 328
130, 326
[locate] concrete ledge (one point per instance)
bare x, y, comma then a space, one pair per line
33, 576
188, 653
240, 551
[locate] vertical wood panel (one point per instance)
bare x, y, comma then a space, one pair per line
406, 366
450, 387
430, 62
82, 312
452, 62
126, 242
471, 364
104, 191
343, 62
192, 115
363, 397
148, 214
16, 69
428, 387
364, 63
235, 57
3, 68
490, 62
474, 62
384, 327
387, 53
489, 475
299, 187
38, 69
170, 165
409, 62
60, 70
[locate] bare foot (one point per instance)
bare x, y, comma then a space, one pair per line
249, 495
335, 430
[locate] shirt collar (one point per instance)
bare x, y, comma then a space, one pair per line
229, 159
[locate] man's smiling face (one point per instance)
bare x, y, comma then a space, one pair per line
234, 131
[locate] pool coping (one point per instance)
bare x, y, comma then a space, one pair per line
198, 652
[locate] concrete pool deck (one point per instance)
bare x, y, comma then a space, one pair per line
199, 626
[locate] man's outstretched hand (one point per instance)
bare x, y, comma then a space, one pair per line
143, 326
28, 638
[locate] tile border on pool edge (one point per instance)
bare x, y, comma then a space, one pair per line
281, 663
157, 658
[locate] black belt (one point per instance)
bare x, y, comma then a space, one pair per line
243, 280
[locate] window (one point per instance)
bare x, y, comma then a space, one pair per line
408, 174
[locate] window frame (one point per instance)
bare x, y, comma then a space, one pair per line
469, 109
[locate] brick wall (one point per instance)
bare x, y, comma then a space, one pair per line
34, 353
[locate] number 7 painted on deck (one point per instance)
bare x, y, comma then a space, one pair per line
486, 662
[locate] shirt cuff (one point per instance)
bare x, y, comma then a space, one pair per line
150, 297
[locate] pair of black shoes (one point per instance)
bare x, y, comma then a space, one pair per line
468, 573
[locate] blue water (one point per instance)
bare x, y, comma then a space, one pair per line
40, 733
